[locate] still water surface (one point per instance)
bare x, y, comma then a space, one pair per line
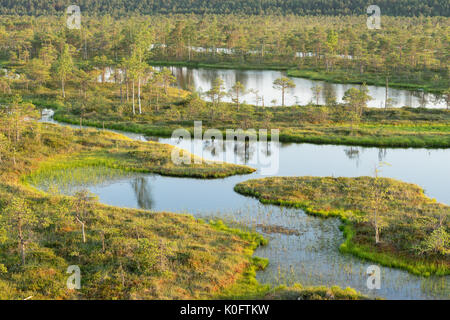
262, 80
260, 91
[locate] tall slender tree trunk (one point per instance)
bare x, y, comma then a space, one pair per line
134, 106
121, 91
139, 95
377, 233
128, 92
189, 45
83, 231
377, 199
126, 82
157, 99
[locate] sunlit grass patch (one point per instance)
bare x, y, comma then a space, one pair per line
394, 127
67, 178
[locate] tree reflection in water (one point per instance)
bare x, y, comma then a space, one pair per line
382, 153
353, 154
142, 192
215, 148
242, 150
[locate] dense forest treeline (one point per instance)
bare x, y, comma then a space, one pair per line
253, 7
411, 51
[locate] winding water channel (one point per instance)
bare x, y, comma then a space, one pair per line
310, 254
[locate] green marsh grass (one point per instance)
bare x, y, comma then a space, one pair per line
395, 128
66, 178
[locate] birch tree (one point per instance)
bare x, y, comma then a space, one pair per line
144, 40
377, 212
64, 67
83, 212
19, 220
316, 90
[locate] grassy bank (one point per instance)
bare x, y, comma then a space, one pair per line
114, 151
411, 82
379, 136
399, 128
221, 65
129, 254
407, 215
